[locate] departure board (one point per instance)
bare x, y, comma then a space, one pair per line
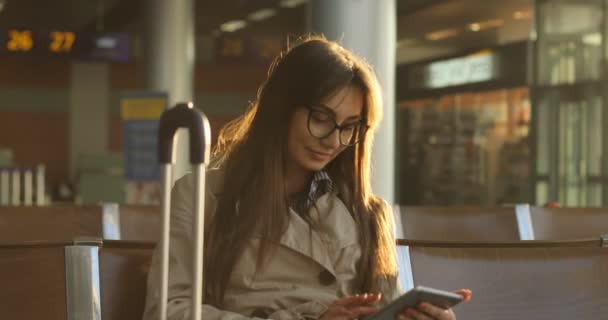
63, 43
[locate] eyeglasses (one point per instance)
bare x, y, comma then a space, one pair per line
322, 123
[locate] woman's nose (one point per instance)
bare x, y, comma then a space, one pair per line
332, 141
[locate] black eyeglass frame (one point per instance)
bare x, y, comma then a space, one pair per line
363, 126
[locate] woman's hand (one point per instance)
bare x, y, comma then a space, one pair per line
427, 311
352, 307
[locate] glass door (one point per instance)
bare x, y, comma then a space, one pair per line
469, 148
568, 110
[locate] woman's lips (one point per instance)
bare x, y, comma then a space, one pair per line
320, 156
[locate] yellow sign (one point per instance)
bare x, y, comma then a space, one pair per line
62, 41
23, 40
19, 40
142, 108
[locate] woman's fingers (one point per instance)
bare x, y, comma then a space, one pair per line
362, 311
372, 298
415, 314
436, 312
358, 299
465, 293
361, 299
338, 312
353, 307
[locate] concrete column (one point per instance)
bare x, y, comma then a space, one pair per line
169, 53
368, 28
88, 109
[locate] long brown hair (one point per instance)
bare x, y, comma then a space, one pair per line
252, 153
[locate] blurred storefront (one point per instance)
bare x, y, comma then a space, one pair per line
569, 103
463, 129
523, 122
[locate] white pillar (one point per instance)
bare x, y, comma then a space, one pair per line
169, 53
89, 100
368, 28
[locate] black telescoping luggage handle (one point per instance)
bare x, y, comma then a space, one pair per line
183, 115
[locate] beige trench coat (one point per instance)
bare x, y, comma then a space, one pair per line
307, 273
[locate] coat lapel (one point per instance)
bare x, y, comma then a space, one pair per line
299, 237
334, 226
334, 229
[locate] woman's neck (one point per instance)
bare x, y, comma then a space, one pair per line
296, 179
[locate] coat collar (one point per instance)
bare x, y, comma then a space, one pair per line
333, 225
333, 229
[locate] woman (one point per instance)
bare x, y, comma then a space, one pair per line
293, 230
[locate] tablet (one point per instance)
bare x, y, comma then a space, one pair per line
440, 298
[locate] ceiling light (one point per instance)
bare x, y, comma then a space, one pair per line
593, 39
520, 15
2, 4
442, 34
482, 25
262, 14
291, 3
233, 25
406, 42
494, 23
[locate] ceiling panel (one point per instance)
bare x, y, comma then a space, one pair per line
455, 17
417, 18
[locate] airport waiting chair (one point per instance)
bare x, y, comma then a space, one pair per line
538, 280
461, 223
87, 279
62, 223
568, 223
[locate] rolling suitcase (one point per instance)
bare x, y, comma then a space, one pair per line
183, 115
